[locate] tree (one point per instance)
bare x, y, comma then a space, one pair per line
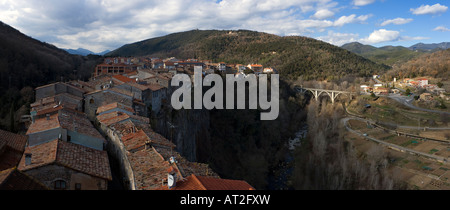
439, 84
408, 91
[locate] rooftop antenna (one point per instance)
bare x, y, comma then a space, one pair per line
171, 126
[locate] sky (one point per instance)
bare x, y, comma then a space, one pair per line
99, 25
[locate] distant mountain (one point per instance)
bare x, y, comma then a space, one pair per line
85, 52
291, 55
79, 51
430, 47
388, 55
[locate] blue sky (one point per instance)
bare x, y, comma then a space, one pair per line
99, 25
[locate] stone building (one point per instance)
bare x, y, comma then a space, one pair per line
61, 165
66, 125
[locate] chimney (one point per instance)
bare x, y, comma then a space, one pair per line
27, 159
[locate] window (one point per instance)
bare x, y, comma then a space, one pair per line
69, 138
77, 186
60, 185
91, 101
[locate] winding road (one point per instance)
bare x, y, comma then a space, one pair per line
407, 101
389, 145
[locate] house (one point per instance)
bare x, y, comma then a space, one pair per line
12, 147
13, 179
170, 65
99, 98
426, 97
257, 68
268, 71
115, 107
120, 79
422, 82
240, 68
381, 91
366, 89
144, 155
114, 68
222, 66
61, 165
57, 88
157, 64
194, 182
66, 125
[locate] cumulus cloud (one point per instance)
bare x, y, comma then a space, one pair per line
383, 35
323, 14
362, 2
350, 19
441, 29
339, 39
98, 25
397, 21
427, 9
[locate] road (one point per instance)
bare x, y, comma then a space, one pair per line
407, 101
389, 145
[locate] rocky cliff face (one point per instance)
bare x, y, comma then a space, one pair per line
185, 128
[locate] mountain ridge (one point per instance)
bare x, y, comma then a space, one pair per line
293, 56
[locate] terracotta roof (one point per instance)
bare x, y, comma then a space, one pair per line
78, 122
149, 169
111, 118
134, 141
194, 182
123, 79
12, 179
48, 110
43, 124
138, 86
154, 87
14, 141
73, 156
114, 105
13, 145
256, 65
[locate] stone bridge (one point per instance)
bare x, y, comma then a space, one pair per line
332, 93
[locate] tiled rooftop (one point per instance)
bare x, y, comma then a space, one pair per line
12, 179
14, 141
73, 156
78, 122
114, 105
148, 168
43, 124
194, 182
123, 79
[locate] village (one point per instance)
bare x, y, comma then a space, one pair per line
420, 87
79, 131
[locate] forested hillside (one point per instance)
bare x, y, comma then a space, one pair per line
293, 56
26, 63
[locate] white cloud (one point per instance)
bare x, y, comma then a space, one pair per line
350, 19
362, 2
323, 14
381, 35
98, 25
397, 21
339, 39
427, 9
441, 29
